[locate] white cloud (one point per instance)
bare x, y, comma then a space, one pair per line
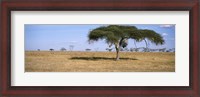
164, 34
166, 26
72, 41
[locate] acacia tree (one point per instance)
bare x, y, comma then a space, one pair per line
63, 49
118, 36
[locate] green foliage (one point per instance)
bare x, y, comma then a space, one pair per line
152, 36
101, 33
113, 34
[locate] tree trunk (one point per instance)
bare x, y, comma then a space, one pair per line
135, 44
117, 51
117, 57
146, 45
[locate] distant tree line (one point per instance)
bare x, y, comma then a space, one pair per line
140, 49
143, 49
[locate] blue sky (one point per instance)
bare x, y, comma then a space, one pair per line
46, 36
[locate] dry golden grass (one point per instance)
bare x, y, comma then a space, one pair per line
45, 61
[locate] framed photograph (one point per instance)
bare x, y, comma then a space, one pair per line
139, 48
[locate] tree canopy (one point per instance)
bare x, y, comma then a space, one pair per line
118, 35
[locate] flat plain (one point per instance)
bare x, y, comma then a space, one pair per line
74, 61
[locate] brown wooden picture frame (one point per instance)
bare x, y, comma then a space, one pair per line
193, 90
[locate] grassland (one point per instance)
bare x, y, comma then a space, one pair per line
46, 61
